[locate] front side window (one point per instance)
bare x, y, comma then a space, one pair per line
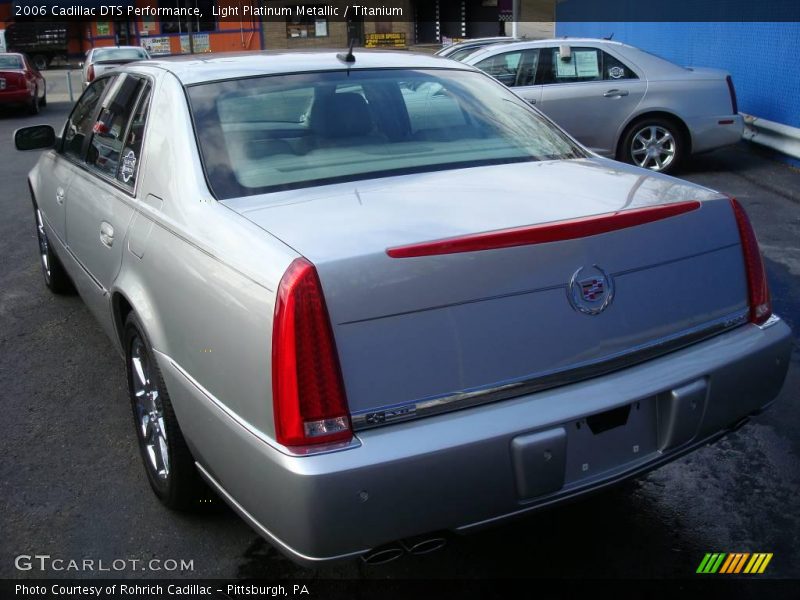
291, 131
80, 122
502, 67
513, 69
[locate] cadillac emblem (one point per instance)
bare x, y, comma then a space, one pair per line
590, 290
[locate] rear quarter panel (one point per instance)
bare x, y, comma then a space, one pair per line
200, 277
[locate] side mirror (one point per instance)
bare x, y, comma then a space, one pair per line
35, 137
80, 65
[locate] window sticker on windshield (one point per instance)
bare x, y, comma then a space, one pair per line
564, 68
586, 63
616, 72
128, 166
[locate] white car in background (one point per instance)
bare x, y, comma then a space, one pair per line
620, 101
100, 60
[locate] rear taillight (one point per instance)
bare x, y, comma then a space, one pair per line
307, 391
757, 288
90, 73
732, 90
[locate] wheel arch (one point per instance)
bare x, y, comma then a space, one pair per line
653, 114
127, 298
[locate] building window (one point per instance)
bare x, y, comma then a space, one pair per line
185, 24
307, 26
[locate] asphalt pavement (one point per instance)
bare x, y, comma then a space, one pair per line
72, 485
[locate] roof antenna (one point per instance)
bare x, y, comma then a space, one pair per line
349, 57
609, 37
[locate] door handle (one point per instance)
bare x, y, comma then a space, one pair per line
60, 196
615, 93
532, 100
106, 234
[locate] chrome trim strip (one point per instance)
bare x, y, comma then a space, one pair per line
299, 451
263, 531
375, 417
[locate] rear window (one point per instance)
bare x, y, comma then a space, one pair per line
291, 131
118, 54
11, 62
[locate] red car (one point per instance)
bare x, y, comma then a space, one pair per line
21, 83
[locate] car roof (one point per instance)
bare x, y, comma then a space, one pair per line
193, 69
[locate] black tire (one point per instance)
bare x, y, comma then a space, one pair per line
55, 276
33, 108
668, 136
179, 486
43, 101
40, 61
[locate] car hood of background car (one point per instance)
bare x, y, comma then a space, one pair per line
336, 221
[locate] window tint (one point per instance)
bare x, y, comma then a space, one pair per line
502, 67
79, 124
512, 68
361, 124
110, 131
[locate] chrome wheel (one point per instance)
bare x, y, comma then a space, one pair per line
44, 247
149, 409
653, 147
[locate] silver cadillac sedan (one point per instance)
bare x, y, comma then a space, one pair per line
371, 298
620, 101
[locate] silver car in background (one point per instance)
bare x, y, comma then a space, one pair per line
100, 60
369, 300
460, 50
620, 101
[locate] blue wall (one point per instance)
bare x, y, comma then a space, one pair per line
763, 58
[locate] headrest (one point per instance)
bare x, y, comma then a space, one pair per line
342, 115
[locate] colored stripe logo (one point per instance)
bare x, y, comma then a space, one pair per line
734, 563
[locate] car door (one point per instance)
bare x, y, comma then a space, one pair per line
516, 69
52, 191
100, 205
589, 93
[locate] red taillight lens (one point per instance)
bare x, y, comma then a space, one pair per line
90, 73
732, 90
757, 288
307, 391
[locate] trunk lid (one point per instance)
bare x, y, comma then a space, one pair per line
420, 332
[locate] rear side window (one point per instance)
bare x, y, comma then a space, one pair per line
116, 136
80, 122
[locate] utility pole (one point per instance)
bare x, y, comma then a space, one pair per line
514, 17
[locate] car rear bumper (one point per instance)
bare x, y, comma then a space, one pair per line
469, 468
15, 96
713, 132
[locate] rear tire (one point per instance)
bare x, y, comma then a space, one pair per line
167, 459
654, 143
55, 276
34, 106
43, 101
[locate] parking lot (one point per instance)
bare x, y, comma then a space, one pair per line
73, 485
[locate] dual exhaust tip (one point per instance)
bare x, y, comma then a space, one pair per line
423, 544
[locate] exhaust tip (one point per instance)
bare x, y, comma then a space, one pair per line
383, 554
424, 544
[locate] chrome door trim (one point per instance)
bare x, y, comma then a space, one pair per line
537, 382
